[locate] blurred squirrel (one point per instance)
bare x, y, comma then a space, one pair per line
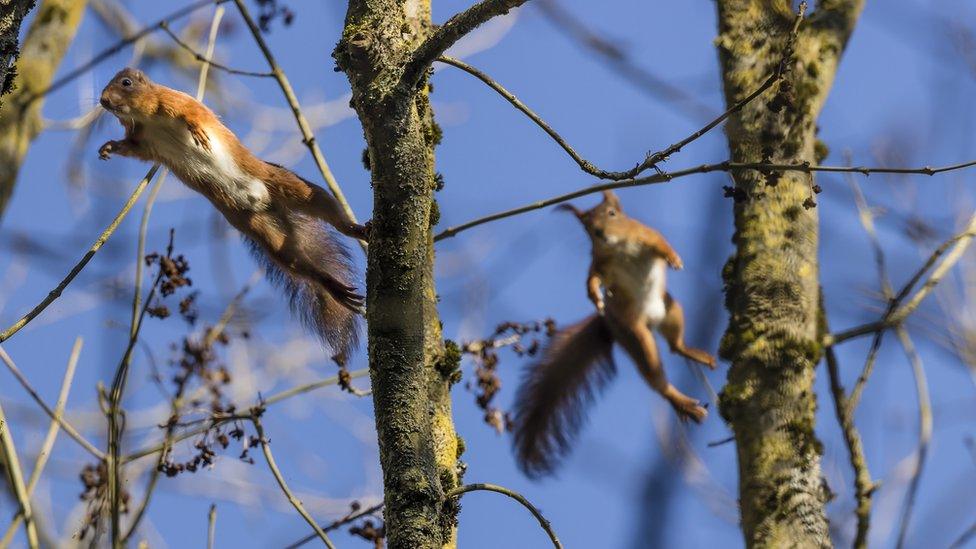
629, 263
282, 216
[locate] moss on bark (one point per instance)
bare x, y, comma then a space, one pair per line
419, 449
772, 278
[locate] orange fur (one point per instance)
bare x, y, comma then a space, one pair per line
278, 211
626, 285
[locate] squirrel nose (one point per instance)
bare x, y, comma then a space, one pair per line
105, 103
598, 233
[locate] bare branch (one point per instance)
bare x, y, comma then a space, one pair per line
266, 448
896, 313
924, 428
99, 242
450, 32
351, 517
207, 59
52, 434
273, 399
864, 487
212, 526
16, 478
918, 371
727, 166
457, 492
68, 428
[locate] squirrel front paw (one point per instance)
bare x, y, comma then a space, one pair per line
675, 262
106, 150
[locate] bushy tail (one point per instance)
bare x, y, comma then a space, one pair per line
326, 305
551, 403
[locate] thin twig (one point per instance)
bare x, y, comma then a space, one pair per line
652, 159
141, 248
727, 166
118, 46
52, 434
918, 371
963, 540
897, 313
450, 32
273, 399
115, 403
924, 429
351, 517
266, 449
864, 487
212, 526
208, 58
307, 136
514, 495
16, 478
68, 428
176, 404
99, 242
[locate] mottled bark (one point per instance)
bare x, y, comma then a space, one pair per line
12, 13
772, 278
47, 40
409, 367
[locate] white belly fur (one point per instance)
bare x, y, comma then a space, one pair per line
644, 279
215, 166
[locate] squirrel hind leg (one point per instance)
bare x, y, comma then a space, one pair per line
673, 330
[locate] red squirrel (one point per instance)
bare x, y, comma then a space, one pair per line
282, 216
626, 284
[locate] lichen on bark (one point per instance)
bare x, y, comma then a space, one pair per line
772, 279
419, 449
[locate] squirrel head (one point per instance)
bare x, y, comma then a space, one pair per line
129, 94
603, 220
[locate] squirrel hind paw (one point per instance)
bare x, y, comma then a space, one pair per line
345, 294
691, 410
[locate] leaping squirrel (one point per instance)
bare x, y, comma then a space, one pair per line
626, 284
282, 216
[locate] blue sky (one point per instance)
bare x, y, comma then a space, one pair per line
902, 97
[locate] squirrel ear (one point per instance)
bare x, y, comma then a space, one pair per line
611, 198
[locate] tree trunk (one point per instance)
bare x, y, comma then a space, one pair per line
12, 13
409, 368
772, 278
47, 40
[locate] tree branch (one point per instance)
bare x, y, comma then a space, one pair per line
99, 242
263, 441
337, 524
896, 313
450, 32
52, 434
273, 399
727, 166
68, 428
457, 492
206, 59
16, 478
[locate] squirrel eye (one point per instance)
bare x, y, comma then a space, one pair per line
611, 212
126, 82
